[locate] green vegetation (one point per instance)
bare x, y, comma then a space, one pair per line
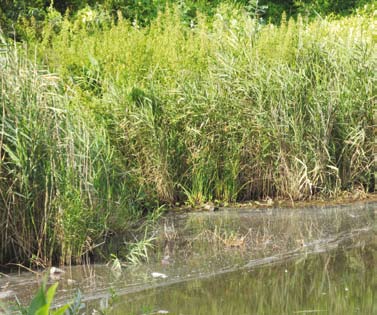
146, 10
42, 303
60, 175
104, 119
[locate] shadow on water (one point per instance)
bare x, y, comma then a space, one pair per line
318, 260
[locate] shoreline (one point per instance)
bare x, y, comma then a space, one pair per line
345, 199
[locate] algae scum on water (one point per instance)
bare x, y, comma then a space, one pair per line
317, 260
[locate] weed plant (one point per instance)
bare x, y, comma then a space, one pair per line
59, 177
231, 109
224, 109
42, 303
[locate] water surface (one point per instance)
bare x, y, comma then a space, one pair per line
314, 260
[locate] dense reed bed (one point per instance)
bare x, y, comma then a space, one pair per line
59, 175
224, 109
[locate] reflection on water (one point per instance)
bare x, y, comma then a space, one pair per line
272, 261
343, 281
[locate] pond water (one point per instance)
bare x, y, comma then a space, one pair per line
314, 260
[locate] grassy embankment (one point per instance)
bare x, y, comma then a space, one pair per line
132, 118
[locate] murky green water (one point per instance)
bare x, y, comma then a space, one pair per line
343, 281
273, 261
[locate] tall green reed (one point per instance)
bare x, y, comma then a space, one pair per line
225, 109
59, 183
230, 109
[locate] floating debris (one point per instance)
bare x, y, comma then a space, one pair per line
56, 273
6, 294
158, 275
71, 281
210, 206
165, 260
158, 312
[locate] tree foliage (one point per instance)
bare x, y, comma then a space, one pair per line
146, 10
